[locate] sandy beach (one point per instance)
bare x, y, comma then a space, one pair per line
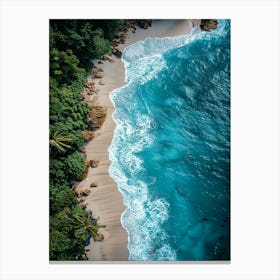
105, 201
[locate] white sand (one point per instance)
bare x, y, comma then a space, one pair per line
105, 200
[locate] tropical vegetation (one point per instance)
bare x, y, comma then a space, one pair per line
73, 46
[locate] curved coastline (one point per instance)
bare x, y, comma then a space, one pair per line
106, 200
120, 167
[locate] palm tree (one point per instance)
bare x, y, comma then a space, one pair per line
59, 140
84, 224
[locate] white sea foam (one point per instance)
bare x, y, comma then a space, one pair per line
147, 209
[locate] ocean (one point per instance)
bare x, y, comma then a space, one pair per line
170, 151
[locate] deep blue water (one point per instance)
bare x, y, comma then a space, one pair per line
171, 149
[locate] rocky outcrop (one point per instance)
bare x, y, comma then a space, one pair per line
208, 24
130, 25
86, 192
117, 52
96, 117
81, 199
78, 190
89, 88
98, 75
88, 135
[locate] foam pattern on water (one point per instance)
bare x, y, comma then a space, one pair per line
170, 151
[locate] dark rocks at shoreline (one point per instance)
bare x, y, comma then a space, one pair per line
208, 24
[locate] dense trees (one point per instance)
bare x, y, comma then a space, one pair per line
73, 45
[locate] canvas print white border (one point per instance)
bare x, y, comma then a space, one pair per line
255, 138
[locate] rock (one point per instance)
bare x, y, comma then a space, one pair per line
80, 199
83, 257
84, 176
100, 69
78, 190
101, 82
81, 149
208, 24
93, 163
115, 42
86, 192
100, 62
87, 250
144, 23
98, 75
117, 53
88, 135
96, 117
93, 185
111, 60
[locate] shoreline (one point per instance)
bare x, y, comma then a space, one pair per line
105, 201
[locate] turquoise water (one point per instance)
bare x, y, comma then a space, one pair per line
171, 148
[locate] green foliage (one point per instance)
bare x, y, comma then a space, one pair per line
111, 27
84, 37
84, 224
59, 243
60, 141
65, 107
73, 45
100, 46
64, 66
63, 244
61, 196
74, 166
75, 225
56, 170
